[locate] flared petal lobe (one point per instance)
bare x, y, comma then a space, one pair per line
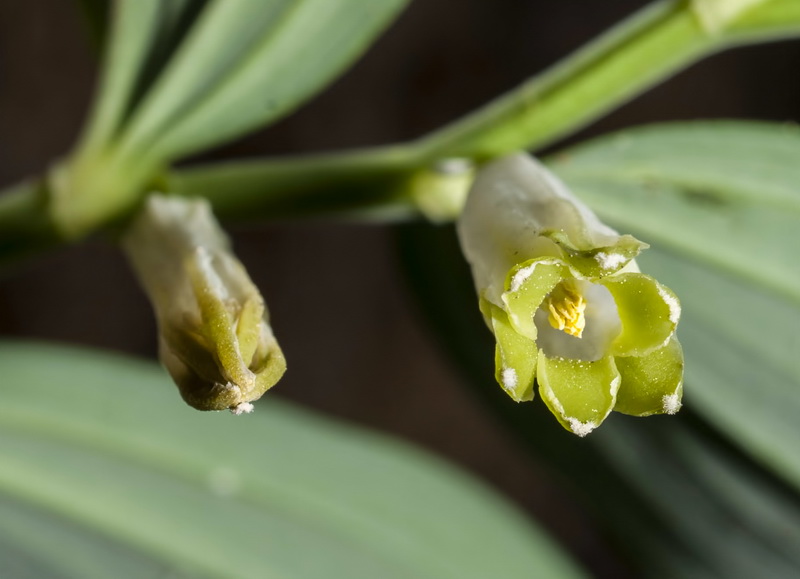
648, 311
515, 355
653, 383
580, 394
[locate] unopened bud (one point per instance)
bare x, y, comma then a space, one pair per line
214, 336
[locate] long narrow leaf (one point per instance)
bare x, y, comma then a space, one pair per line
225, 33
133, 31
312, 42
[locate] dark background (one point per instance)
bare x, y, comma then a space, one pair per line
357, 346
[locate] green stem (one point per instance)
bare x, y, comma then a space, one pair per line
25, 225
624, 62
368, 184
641, 51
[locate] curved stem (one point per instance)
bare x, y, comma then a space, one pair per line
641, 51
635, 55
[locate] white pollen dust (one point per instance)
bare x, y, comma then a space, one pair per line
581, 428
509, 377
671, 403
609, 261
242, 408
672, 302
520, 277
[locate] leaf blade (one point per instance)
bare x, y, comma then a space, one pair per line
285, 484
299, 52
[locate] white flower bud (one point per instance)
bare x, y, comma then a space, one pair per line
214, 335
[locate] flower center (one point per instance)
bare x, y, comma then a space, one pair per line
566, 307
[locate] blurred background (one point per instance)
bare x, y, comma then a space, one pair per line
357, 346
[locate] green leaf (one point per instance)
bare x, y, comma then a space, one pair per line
28, 536
742, 367
225, 33
143, 35
105, 473
722, 202
714, 515
249, 63
133, 31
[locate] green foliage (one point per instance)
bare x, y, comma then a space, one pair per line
105, 475
181, 76
246, 64
720, 201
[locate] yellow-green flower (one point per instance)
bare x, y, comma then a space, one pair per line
214, 335
566, 302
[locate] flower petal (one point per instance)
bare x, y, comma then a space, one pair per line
526, 287
651, 384
648, 311
596, 262
515, 355
580, 394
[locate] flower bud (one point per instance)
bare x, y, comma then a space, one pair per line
214, 336
566, 302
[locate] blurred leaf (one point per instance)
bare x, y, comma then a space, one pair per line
28, 540
248, 63
143, 35
725, 193
133, 26
721, 201
741, 345
225, 34
723, 517
106, 474
676, 497
176, 18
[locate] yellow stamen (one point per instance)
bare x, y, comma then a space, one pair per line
566, 306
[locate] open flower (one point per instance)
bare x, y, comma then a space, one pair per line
214, 336
566, 302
